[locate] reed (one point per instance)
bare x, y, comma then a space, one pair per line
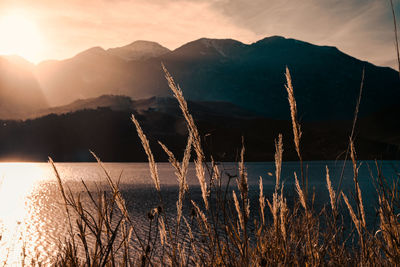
223, 230
332, 194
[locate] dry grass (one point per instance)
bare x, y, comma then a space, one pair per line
222, 231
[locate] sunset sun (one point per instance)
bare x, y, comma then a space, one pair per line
20, 36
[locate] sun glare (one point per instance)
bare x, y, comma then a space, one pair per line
17, 184
20, 36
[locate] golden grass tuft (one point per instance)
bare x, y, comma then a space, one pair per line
193, 132
293, 112
224, 232
332, 194
146, 146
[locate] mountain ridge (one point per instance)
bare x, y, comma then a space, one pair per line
326, 80
139, 50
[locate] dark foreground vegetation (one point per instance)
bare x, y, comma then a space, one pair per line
219, 230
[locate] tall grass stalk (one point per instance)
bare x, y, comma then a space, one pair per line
296, 127
193, 132
225, 231
353, 128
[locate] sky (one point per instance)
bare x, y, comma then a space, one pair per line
56, 29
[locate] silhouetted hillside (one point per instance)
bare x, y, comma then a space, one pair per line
326, 80
20, 92
91, 73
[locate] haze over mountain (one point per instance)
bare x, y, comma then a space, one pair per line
20, 92
139, 50
326, 80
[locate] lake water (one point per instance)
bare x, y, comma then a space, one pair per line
32, 216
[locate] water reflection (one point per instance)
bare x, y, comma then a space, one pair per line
32, 221
18, 182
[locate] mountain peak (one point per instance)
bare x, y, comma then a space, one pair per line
139, 50
280, 41
144, 43
277, 40
94, 51
273, 38
221, 45
208, 46
208, 41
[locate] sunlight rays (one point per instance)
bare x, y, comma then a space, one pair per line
21, 36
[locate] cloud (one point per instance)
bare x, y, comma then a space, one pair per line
361, 28
72, 26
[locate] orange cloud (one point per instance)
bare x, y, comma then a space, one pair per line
70, 27
362, 28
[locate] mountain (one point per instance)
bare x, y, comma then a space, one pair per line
326, 81
20, 62
91, 73
205, 49
20, 92
139, 50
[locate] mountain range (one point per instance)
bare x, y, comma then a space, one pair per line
326, 81
62, 108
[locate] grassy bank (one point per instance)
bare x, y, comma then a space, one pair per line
219, 230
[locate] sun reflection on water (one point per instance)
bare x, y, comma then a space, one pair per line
17, 185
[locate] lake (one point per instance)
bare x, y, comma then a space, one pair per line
32, 216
